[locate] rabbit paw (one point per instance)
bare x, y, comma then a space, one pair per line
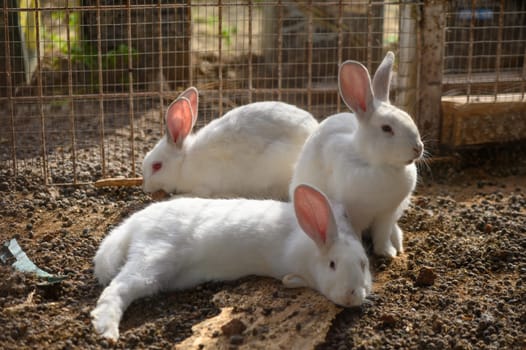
386, 250
397, 239
106, 323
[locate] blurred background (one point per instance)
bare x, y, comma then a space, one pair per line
84, 83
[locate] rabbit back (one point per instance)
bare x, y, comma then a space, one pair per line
249, 152
316, 160
190, 240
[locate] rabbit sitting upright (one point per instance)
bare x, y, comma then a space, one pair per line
249, 152
365, 159
183, 242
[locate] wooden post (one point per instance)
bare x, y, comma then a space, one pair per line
145, 44
10, 35
406, 96
431, 59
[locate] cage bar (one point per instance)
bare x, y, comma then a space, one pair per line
100, 96
159, 34
369, 51
250, 67
523, 82
499, 49
340, 47
39, 101
114, 97
470, 50
280, 49
309, 57
9, 90
130, 86
72, 122
220, 54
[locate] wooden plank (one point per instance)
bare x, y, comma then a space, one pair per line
482, 82
482, 122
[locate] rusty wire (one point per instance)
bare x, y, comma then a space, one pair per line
258, 83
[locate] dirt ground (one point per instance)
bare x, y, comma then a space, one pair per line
459, 285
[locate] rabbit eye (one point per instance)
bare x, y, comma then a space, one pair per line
362, 264
332, 265
387, 129
157, 166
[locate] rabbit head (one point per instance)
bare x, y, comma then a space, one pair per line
162, 164
386, 134
341, 269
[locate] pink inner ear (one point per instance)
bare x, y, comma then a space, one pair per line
179, 120
354, 85
193, 99
312, 211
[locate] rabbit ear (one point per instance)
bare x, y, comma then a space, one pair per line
314, 215
355, 87
192, 95
382, 78
179, 121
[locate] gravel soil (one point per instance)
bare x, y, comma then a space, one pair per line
461, 283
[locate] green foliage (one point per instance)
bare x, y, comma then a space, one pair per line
210, 20
82, 52
118, 57
226, 31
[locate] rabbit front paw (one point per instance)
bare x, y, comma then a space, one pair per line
386, 250
397, 237
106, 322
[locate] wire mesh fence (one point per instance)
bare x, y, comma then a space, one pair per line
83, 83
484, 72
485, 49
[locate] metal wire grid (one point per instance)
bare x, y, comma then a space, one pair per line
103, 70
485, 50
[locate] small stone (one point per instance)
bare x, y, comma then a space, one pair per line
488, 228
266, 311
387, 321
233, 327
4, 186
426, 277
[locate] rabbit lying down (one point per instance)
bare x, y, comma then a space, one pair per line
248, 152
183, 242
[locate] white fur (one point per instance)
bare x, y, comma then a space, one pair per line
186, 241
249, 152
354, 161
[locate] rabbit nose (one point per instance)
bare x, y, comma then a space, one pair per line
351, 296
419, 148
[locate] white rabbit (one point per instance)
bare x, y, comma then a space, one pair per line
248, 152
183, 242
365, 160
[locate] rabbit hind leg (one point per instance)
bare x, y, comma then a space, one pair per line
132, 282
